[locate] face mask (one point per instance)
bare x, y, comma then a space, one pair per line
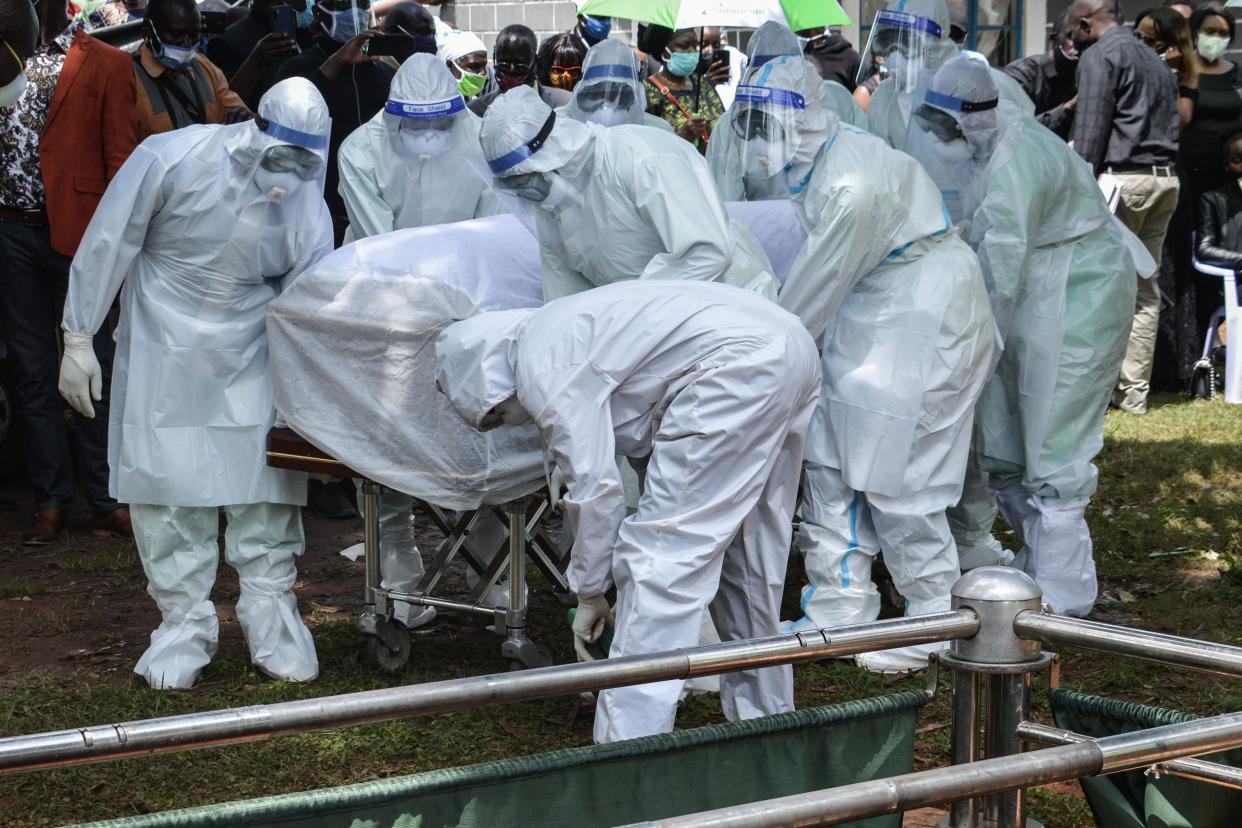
560, 191
765, 157
306, 17
175, 57
425, 143
346, 24
470, 83
608, 115
11, 91
507, 82
596, 29
1211, 47
276, 185
953, 152
682, 64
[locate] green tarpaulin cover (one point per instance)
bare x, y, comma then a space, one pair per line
605, 785
1134, 799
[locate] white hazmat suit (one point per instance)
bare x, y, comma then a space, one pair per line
615, 204
611, 91
203, 225
899, 304
407, 167
771, 40
713, 388
1061, 283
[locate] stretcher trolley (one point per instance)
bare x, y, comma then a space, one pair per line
352, 352
388, 641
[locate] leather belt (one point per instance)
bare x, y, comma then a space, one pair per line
1142, 169
37, 218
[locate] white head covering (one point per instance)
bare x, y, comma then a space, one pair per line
476, 359
514, 140
457, 44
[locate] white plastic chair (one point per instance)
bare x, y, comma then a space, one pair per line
1232, 315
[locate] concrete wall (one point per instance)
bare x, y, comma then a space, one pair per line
487, 17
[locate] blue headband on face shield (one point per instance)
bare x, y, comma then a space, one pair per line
770, 95
290, 135
511, 159
953, 104
901, 20
434, 109
609, 70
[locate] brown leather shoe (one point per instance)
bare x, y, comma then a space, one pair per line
47, 526
114, 524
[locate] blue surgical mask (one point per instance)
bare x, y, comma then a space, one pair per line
346, 24
682, 64
306, 17
596, 28
175, 57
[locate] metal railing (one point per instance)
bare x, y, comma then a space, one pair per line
995, 628
258, 722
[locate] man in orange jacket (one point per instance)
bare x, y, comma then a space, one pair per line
62, 140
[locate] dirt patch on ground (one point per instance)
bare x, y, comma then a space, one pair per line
81, 604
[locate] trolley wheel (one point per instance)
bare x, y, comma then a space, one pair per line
389, 649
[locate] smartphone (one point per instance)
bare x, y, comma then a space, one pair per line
712, 59
215, 22
285, 21
390, 45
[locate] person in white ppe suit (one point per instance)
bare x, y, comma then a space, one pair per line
407, 167
771, 40
898, 303
203, 225
611, 91
1060, 279
614, 204
913, 37
713, 389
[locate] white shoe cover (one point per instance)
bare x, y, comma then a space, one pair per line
1057, 549
180, 649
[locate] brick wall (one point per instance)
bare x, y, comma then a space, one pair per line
487, 17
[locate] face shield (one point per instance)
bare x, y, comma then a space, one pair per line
610, 92
276, 180
898, 47
422, 130
764, 119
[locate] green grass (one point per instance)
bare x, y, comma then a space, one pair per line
1169, 482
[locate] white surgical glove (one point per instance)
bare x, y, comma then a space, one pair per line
589, 623
81, 379
556, 485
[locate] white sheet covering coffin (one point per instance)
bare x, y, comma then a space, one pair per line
352, 347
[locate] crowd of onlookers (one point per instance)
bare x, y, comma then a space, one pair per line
1155, 108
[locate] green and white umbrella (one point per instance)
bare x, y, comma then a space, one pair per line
738, 14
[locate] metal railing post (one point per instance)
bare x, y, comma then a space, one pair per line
997, 664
